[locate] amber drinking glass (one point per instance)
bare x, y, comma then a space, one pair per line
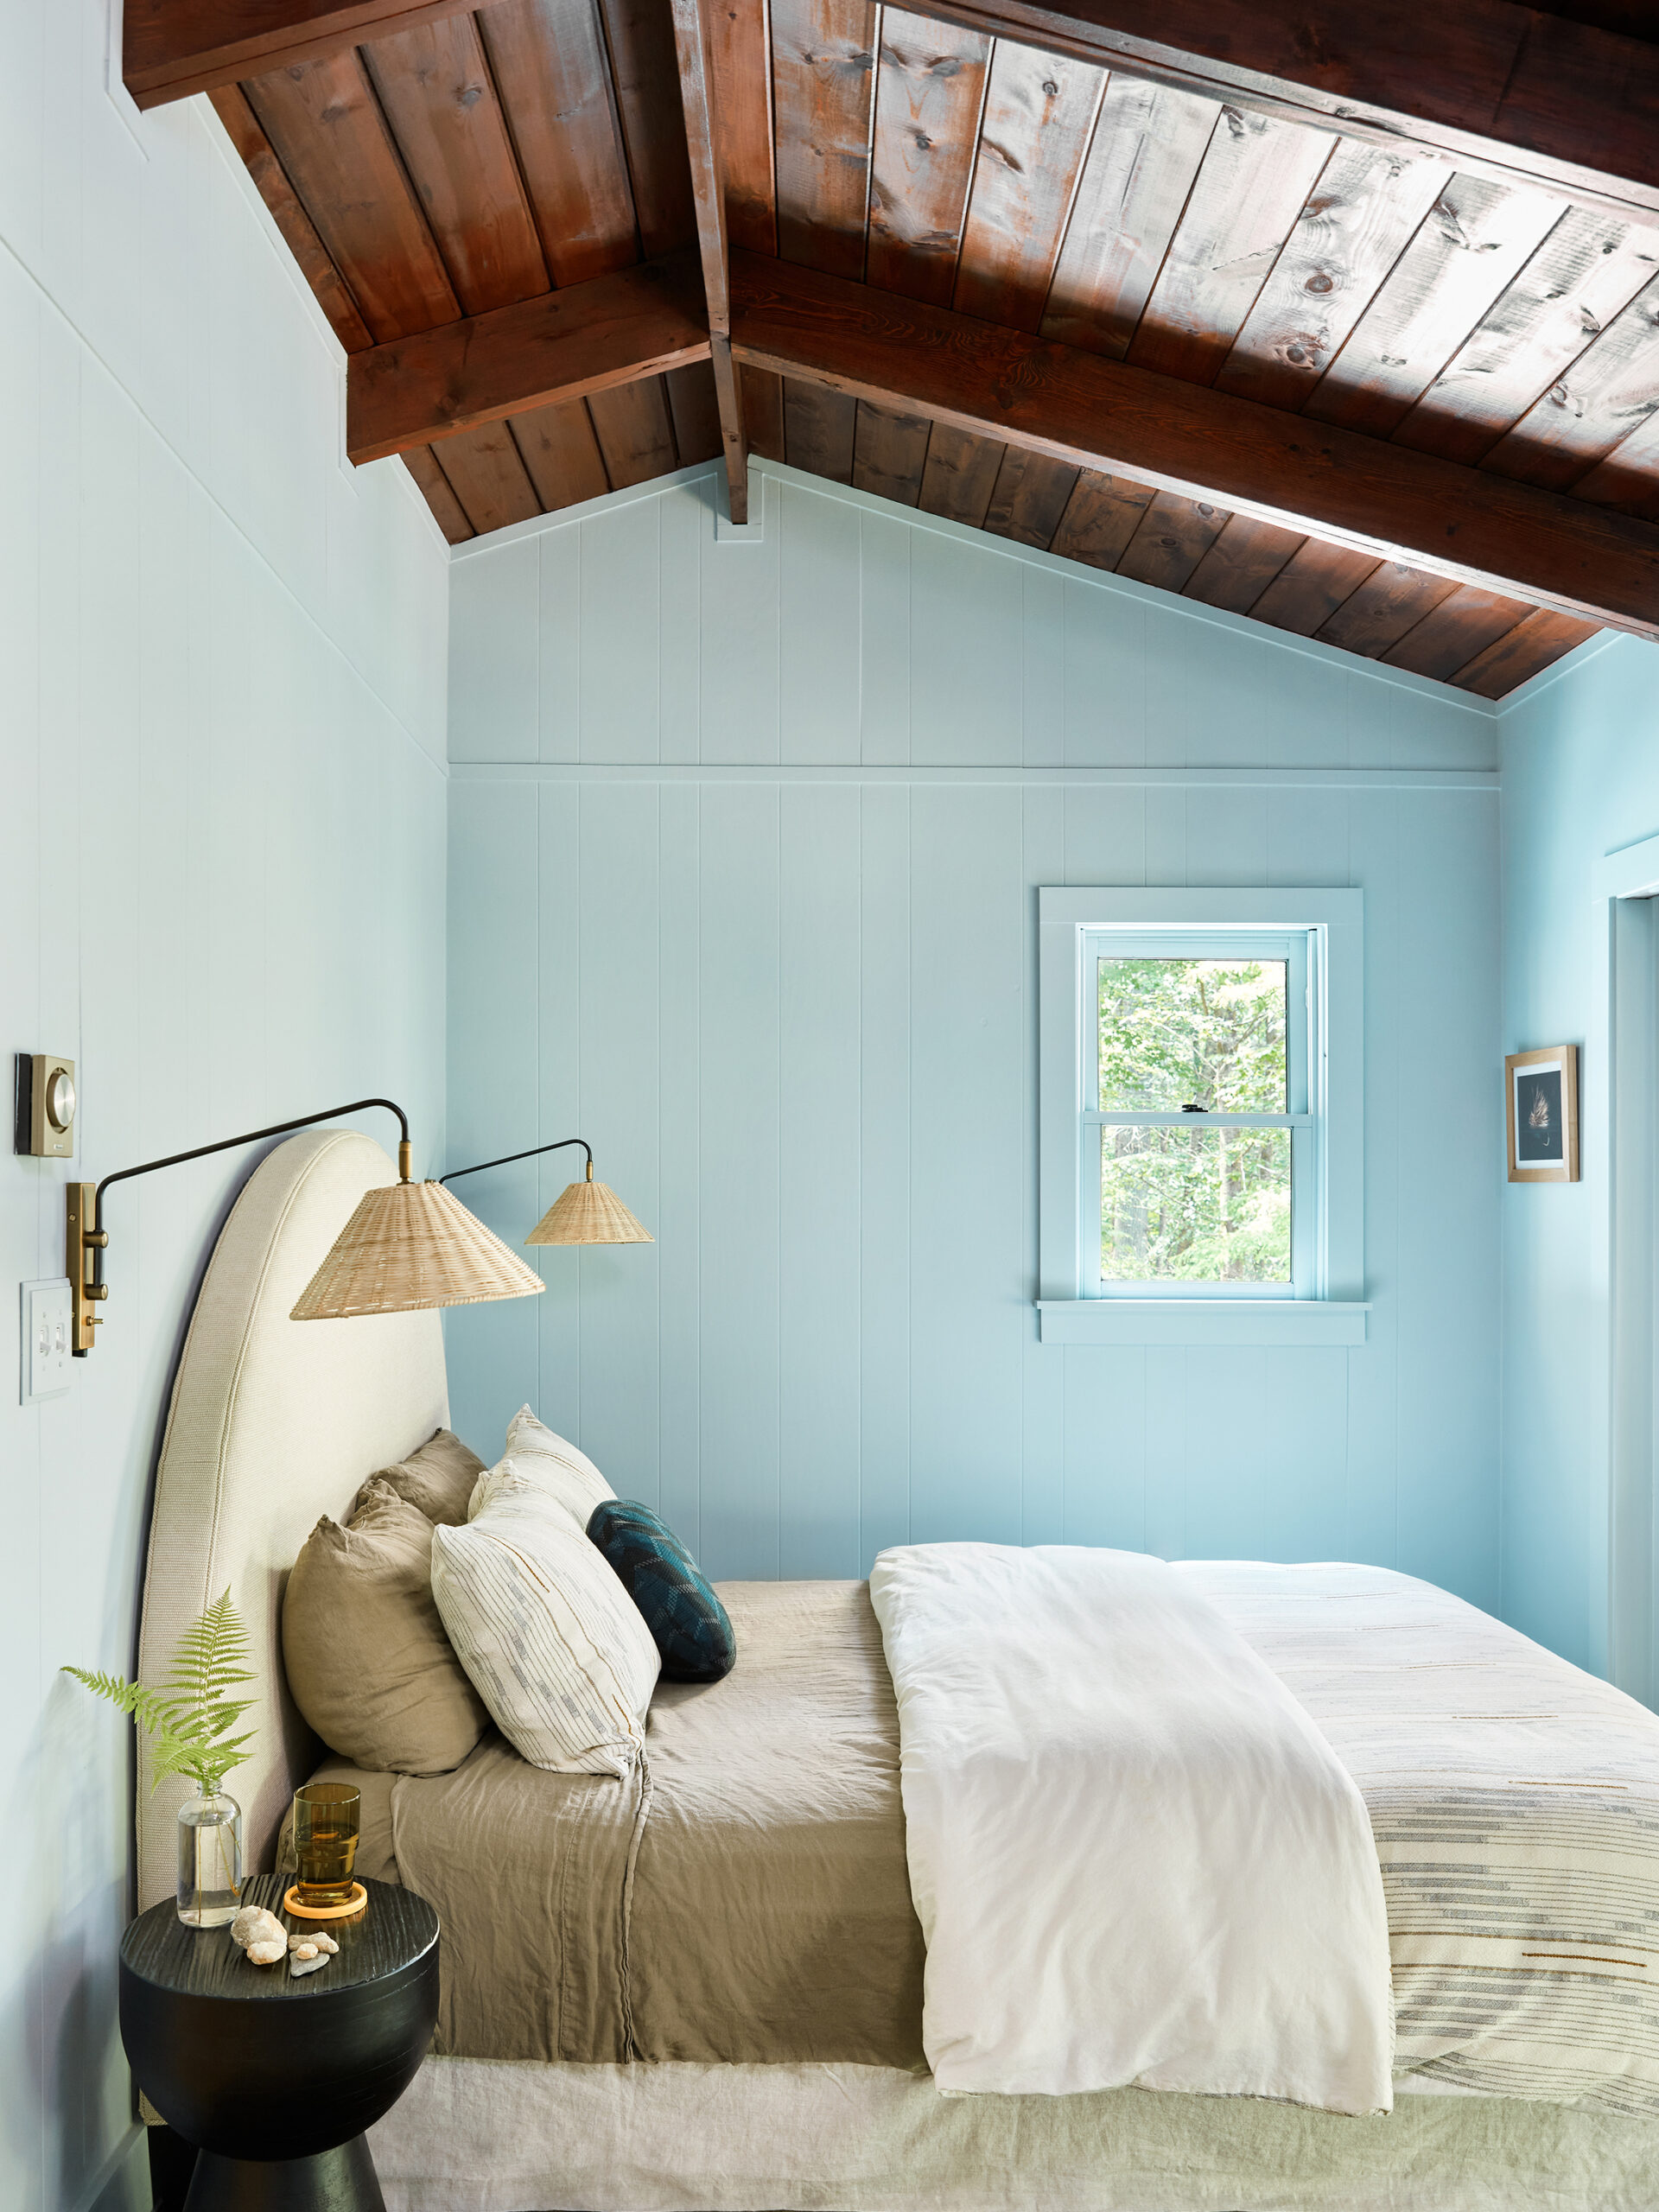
327, 1816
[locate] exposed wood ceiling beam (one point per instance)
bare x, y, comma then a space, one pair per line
1485, 82
708, 190
1083, 409
174, 47
588, 338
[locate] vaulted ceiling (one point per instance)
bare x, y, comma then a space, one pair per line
1346, 320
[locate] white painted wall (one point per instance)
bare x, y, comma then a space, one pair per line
744, 844
222, 659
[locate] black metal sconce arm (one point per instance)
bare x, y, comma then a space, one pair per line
536, 1150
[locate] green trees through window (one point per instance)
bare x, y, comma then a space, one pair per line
1191, 1197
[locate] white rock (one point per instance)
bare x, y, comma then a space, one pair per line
253, 1924
266, 1954
326, 1943
298, 1964
302, 1950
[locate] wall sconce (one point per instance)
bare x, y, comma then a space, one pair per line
583, 1213
409, 1246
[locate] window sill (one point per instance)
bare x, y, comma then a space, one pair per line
1241, 1321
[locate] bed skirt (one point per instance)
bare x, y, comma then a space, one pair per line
497, 2135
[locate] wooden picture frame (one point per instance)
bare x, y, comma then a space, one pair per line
1541, 1110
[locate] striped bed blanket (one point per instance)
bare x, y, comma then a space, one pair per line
1515, 1803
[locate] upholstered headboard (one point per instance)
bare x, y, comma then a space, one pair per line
273, 1423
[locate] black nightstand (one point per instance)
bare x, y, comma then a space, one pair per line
276, 2079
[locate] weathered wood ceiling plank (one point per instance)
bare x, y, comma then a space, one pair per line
1255, 176
1391, 601
299, 232
823, 65
1101, 516
763, 411
960, 476
1451, 635
1174, 535
632, 423
890, 453
640, 35
1472, 243
561, 455
1533, 644
435, 488
489, 478
1039, 116
1585, 415
1241, 564
1148, 143
435, 91
1358, 219
1032, 494
1356, 491
324, 122
1585, 274
694, 408
930, 91
1524, 94
171, 49
739, 43
552, 75
1312, 586
819, 430
1629, 478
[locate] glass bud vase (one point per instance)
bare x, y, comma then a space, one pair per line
209, 1859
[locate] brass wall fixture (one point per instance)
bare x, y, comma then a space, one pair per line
46, 1106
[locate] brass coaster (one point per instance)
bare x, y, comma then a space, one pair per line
349, 1910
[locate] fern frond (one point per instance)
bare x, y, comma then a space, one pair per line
188, 1719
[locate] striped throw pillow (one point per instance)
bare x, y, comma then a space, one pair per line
538, 1455
550, 1639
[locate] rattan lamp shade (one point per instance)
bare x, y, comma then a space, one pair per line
588, 1213
409, 1245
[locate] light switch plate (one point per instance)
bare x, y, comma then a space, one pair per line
47, 1318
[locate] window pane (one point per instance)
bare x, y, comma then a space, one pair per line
1195, 1204
1192, 1032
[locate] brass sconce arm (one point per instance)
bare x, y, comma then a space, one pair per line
84, 1230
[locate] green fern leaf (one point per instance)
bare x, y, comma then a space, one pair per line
189, 1718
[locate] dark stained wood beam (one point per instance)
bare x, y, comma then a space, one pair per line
1517, 90
1084, 409
589, 338
174, 47
708, 191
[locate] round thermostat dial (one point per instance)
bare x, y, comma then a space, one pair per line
60, 1101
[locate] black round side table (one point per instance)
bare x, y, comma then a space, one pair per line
274, 2078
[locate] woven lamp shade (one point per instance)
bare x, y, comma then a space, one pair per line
588, 1213
409, 1245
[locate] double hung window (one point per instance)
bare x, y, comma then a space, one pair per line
1200, 1116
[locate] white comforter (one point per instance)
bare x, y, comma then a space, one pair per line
1133, 1857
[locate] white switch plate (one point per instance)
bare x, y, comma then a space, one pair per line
47, 1321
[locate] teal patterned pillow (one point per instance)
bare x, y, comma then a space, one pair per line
692, 1628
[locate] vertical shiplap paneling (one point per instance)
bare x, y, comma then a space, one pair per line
740, 1231
818, 612
622, 1093
842, 1023
555, 948
884, 1145
495, 694
970, 1295
495, 869
820, 981
678, 1225
558, 659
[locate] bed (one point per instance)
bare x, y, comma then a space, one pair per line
701, 1989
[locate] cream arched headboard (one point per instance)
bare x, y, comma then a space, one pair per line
273, 1423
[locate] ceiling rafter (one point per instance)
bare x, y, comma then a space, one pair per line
591, 337
708, 191
1528, 95
1343, 485
171, 49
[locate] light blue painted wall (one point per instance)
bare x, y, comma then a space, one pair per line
1581, 778
221, 890
744, 840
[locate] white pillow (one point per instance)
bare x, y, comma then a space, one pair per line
566, 1475
549, 1636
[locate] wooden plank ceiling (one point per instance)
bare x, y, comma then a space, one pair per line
1439, 305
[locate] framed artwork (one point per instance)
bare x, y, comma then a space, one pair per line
1543, 1115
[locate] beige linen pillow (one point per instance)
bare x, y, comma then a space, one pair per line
555, 1466
368, 1662
555, 1645
438, 1478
